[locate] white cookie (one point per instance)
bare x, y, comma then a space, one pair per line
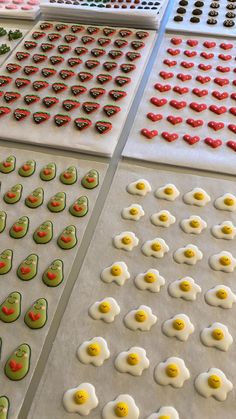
165, 412
133, 212
185, 288
226, 202
172, 372
133, 361
178, 326
213, 383
117, 272
196, 196
156, 247
150, 280
226, 230
220, 296
168, 192
94, 351
139, 187
193, 225
106, 310
189, 254
217, 335
81, 399
126, 241
163, 218
141, 318
223, 261
123, 406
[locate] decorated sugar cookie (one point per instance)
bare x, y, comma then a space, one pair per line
94, 351
172, 372
10, 309
3, 219
57, 202
35, 199
91, 179
223, 261
117, 272
178, 326
217, 335
8, 165
4, 407
220, 296
163, 218
197, 196
185, 288
13, 195
133, 212
134, 361
6, 261
44, 233
48, 172
20, 228
54, 275
226, 230
69, 176
126, 240
139, 187
164, 413
141, 318
36, 315
123, 406
193, 225
18, 364
27, 169
81, 399
79, 208
150, 280
106, 310
67, 239
213, 383
156, 248
189, 254
168, 192
226, 202
27, 270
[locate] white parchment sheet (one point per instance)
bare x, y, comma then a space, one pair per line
65, 371
13, 334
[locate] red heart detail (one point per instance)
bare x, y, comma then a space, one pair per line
169, 137
25, 270
162, 87
8, 311
158, 102
232, 128
17, 228
177, 105
164, 75
192, 42
32, 198
67, 175
202, 79
226, 46
47, 172
33, 316
234, 82
2, 264
194, 122
185, 64
90, 179
66, 239
199, 93
26, 167
173, 51
176, 41
198, 107
208, 44
204, 67
6, 164
221, 82
15, 366
154, 117
190, 53
184, 77
216, 126
191, 140
223, 69
231, 144
11, 195
232, 111
220, 96
77, 208
55, 204
51, 275
149, 134
180, 90
207, 56
213, 143
233, 96
174, 119
42, 233
225, 57
169, 63
219, 110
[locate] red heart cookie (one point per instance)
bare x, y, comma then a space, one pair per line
174, 120
225, 57
221, 82
199, 93
180, 90
154, 117
164, 75
158, 102
232, 128
225, 46
149, 134
219, 110
219, 95
216, 126
222, 69
184, 77
209, 44
173, 52
178, 105
169, 63
169, 137
233, 96
190, 53
186, 64
191, 139
203, 80
213, 143
194, 122
192, 42
162, 87
231, 144
205, 67
207, 56
176, 41
198, 107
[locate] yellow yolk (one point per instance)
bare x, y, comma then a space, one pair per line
172, 370
222, 294
150, 277
214, 381
163, 217
116, 270
227, 230
133, 211
178, 324
126, 240
164, 417
185, 286
141, 316
105, 307
189, 253
81, 396
217, 334
168, 191
156, 247
121, 409
194, 223
140, 186
133, 359
93, 349
225, 260
229, 202
199, 196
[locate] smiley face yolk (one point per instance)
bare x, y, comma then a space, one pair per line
126, 240
163, 217
121, 409
185, 286
225, 260
222, 294
199, 196
93, 349
194, 223
133, 211
81, 396
229, 202
105, 307
141, 316
156, 247
168, 191
133, 359
214, 381
150, 277
172, 370
189, 253
178, 324
227, 230
140, 186
116, 270
217, 334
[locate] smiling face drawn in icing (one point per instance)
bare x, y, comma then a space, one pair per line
10, 309
69, 176
81, 399
67, 239
54, 275
3, 219
36, 315
4, 407
19, 229
44, 233
57, 203
27, 270
35, 199
8, 165
91, 179
27, 169
80, 207
18, 364
48, 172
6, 261
123, 406
13, 195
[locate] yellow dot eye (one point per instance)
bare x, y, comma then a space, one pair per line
156, 247
229, 202
185, 286
81, 396
214, 381
199, 196
133, 211
121, 409
189, 253
217, 334
126, 240
140, 186
133, 359
194, 223
178, 324
93, 349
150, 277
141, 316
105, 307
168, 191
172, 370
163, 217
227, 230
225, 260
222, 294
116, 270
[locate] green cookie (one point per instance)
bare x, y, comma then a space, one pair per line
54, 274
19, 228
80, 207
27, 169
57, 202
48, 172
35, 199
10, 309
36, 316
4, 407
67, 239
27, 270
3, 219
18, 365
44, 233
6, 261
13, 195
91, 179
69, 176
8, 165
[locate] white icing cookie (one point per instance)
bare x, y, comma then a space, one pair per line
94, 351
196, 196
189, 254
141, 318
220, 296
185, 288
226, 202
139, 187
133, 361
106, 310
179, 326
223, 261
81, 399
126, 241
117, 272
193, 225
213, 383
165, 412
156, 247
163, 218
123, 406
168, 192
226, 230
172, 372
133, 212
217, 335
150, 280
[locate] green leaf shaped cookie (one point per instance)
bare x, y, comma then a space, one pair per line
19, 228
6, 261
67, 239
8, 165
13, 195
18, 364
27, 169
10, 309
80, 207
69, 176
91, 179
54, 274
44, 233
36, 315
3, 219
48, 172
35, 199
4, 407
27, 270
57, 202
